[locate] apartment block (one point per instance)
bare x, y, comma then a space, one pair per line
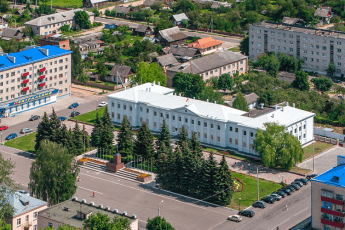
327, 199
316, 47
49, 24
33, 77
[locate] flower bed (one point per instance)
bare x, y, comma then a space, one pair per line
85, 159
144, 175
239, 180
131, 170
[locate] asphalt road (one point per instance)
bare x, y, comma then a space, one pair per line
235, 41
182, 213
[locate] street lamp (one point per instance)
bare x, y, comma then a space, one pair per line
239, 203
1, 138
159, 208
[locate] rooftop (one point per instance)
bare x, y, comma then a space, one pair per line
172, 34
55, 18
251, 98
162, 97
180, 17
168, 59
301, 29
204, 43
30, 55
23, 202
335, 177
66, 212
182, 51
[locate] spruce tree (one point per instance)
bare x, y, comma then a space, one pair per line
66, 139
86, 141
183, 136
164, 138
96, 132
240, 102
106, 120
195, 146
107, 137
125, 138
55, 125
190, 171
78, 139
211, 178
176, 173
144, 144
43, 131
225, 184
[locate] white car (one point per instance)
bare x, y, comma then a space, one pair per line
102, 104
26, 130
236, 218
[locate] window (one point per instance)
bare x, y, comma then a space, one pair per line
211, 137
339, 50
118, 106
218, 139
339, 208
236, 142
118, 116
199, 123
34, 227
205, 124
154, 124
130, 108
244, 145
174, 118
327, 194
244, 132
230, 140
317, 46
218, 127
124, 107
19, 222
167, 116
304, 126
205, 135
236, 130
295, 130
339, 197
211, 126
147, 110
50, 224
179, 118
154, 113
27, 218
304, 135
192, 121
186, 120
251, 134
300, 128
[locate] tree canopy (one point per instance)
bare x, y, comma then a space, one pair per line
158, 223
81, 18
225, 82
322, 84
103, 222
150, 72
240, 102
302, 81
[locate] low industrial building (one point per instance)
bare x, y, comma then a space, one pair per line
74, 212
33, 77
55, 40
214, 124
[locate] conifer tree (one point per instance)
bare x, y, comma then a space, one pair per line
107, 135
195, 146
96, 132
66, 139
55, 125
225, 184
43, 131
176, 173
210, 178
86, 141
106, 120
183, 136
126, 140
190, 171
164, 138
78, 138
144, 144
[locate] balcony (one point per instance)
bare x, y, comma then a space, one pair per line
42, 77
25, 89
42, 84
25, 81
333, 201
334, 213
25, 74
332, 223
42, 70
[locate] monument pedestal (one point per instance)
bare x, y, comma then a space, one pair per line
116, 165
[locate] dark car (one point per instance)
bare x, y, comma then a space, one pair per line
276, 197
296, 186
11, 136
299, 183
62, 118
259, 204
34, 117
311, 176
292, 188
280, 193
303, 180
286, 191
336, 80
248, 213
268, 199
74, 105
74, 114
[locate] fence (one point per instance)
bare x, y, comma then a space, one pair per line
329, 134
107, 87
221, 32
324, 121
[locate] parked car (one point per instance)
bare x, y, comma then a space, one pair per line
248, 213
303, 180
102, 104
299, 183
236, 218
74, 114
11, 136
3, 127
309, 177
26, 130
34, 117
276, 197
336, 80
259, 204
280, 193
293, 189
74, 105
268, 199
62, 118
286, 191
296, 186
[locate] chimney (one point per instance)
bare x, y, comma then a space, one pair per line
275, 107
273, 115
207, 100
159, 83
215, 102
262, 105
293, 105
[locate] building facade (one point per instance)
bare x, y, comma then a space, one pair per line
214, 124
316, 47
54, 40
33, 77
49, 24
327, 199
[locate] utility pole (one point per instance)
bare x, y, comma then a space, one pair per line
51, 4
257, 179
83, 136
313, 156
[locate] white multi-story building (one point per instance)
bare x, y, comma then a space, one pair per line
316, 47
214, 124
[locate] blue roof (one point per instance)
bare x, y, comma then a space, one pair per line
31, 55
335, 177
23, 202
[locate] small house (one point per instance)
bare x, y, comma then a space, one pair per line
172, 36
120, 74
177, 18
167, 61
143, 30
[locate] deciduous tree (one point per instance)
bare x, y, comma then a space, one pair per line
81, 18
225, 82
302, 81
158, 223
103, 222
96, 132
322, 84
240, 102
150, 72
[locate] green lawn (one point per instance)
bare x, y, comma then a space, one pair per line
318, 148
235, 49
67, 4
90, 117
25, 143
249, 193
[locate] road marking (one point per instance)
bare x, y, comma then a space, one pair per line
301, 211
14, 154
165, 197
89, 190
217, 224
280, 224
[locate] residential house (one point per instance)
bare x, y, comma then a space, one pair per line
123, 10
48, 24
207, 45
325, 13
94, 46
214, 124
94, 3
3, 23
74, 212
26, 209
286, 76
143, 30
212, 65
293, 21
148, 3
182, 53
55, 40
216, 5
87, 38
252, 100
10, 33
172, 36
177, 18
120, 74
167, 61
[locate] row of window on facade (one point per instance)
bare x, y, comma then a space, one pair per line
18, 86
58, 24
46, 79
24, 93
26, 220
